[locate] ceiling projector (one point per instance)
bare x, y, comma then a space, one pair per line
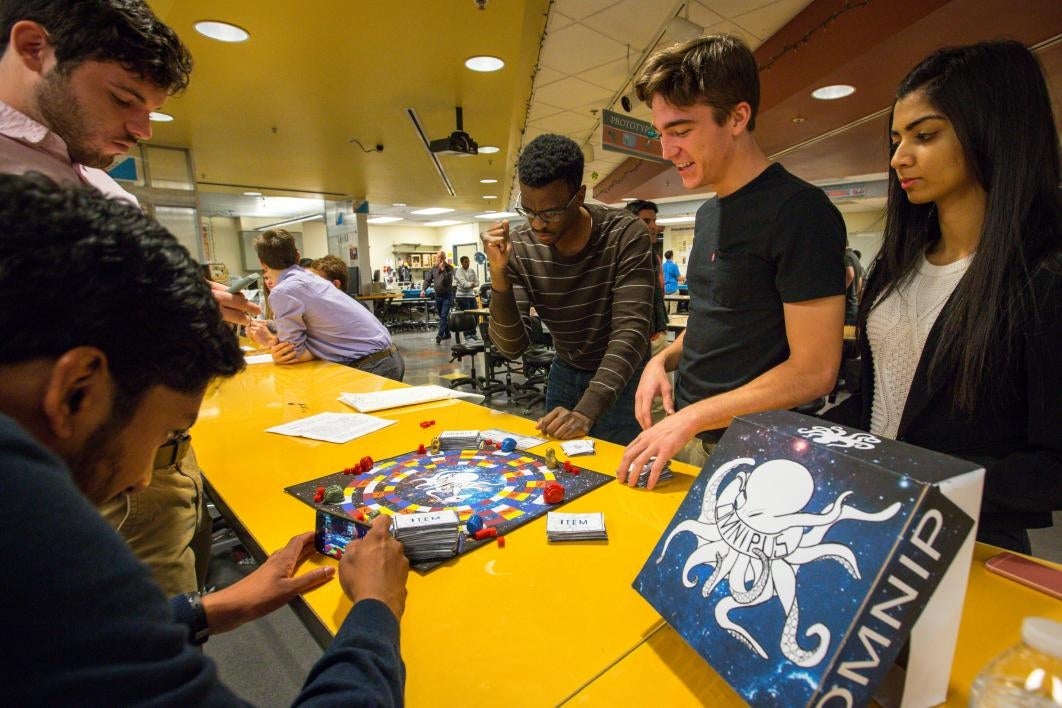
459, 142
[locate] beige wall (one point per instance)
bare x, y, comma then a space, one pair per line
225, 233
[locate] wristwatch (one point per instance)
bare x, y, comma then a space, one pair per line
196, 619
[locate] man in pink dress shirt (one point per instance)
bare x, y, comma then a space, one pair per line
77, 84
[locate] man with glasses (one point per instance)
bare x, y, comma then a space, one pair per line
587, 270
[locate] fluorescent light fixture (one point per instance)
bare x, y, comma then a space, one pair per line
488, 149
630, 199
160, 117
443, 222
490, 196
287, 222
677, 220
830, 93
252, 194
484, 63
383, 219
399, 204
431, 211
222, 31
488, 181
497, 215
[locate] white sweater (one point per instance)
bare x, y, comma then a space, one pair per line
897, 330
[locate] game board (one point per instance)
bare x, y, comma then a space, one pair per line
503, 488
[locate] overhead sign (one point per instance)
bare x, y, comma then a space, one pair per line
638, 138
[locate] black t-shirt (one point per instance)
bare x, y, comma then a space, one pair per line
778, 239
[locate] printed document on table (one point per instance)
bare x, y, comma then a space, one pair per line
332, 427
408, 396
259, 358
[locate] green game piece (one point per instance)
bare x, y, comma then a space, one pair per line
334, 494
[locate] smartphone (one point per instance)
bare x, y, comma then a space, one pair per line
334, 532
1027, 572
244, 282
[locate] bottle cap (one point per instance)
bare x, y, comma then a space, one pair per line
1043, 634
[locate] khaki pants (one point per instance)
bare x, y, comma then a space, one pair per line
167, 526
656, 346
696, 452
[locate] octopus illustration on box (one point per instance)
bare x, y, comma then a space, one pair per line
754, 532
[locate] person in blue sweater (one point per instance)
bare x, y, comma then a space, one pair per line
92, 381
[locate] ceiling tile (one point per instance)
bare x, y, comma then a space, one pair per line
765, 21
578, 9
557, 20
566, 123
540, 110
547, 76
728, 27
704, 16
577, 48
633, 22
731, 8
608, 76
571, 93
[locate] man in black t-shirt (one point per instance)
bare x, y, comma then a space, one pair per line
765, 275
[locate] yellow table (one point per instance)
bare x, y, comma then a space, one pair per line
528, 624
665, 671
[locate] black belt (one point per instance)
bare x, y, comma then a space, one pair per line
172, 451
376, 356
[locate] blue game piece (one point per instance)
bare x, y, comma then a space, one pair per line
474, 523
508, 445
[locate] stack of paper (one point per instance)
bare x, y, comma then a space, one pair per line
575, 527
429, 536
574, 448
458, 439
332, 427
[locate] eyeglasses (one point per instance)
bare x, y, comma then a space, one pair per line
548, 214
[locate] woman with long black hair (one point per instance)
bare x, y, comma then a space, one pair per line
961, 319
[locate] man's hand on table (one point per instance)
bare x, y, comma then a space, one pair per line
375, 567
661, 441
259, 332
273, 584
564, 424
235, 308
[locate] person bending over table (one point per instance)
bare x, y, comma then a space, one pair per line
90, 384
766, 272
960, 323
588, 271
315, 320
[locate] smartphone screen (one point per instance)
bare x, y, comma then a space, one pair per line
1027, 572
334, 532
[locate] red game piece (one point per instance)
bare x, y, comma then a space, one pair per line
567, 465
431, 422
318, 496
366, 463
486, 532
501, 541
553, 492
421, 450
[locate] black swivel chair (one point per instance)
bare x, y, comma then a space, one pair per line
495, 360
537, 359
484, 294
458, 323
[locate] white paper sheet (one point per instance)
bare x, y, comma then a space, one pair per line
411, 395
332, 427
259, 359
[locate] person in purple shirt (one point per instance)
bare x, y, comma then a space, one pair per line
315, 320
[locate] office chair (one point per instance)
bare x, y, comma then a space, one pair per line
537, 359
494, 358
460, 322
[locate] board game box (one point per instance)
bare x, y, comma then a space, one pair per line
504, 488
804, 554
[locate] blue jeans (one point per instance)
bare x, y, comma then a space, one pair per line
443, 303
565, 387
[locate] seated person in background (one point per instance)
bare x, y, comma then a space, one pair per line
331, 268
960, 322
90, 384
588, 272
314, 320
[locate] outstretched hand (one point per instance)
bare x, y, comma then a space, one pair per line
273, 584
662, 441
375, 567
235, 308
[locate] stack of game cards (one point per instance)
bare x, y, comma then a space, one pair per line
575, 527
665, 474
429, 536
458, 439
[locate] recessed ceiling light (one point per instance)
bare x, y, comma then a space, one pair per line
443, 222
484, 63
488, 181
222, 31
496, 215
799, 119
432, 211
630, 199
488, 149
160, 117
399, 204
252, 194
383, 219
676, 220
490, 196
829, 93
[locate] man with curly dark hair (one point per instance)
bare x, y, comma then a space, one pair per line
587, 270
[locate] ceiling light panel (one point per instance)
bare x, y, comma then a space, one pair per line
222, 31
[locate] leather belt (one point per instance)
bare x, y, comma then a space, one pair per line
172, 451
376, 356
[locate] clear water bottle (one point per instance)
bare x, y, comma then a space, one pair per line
1028, 675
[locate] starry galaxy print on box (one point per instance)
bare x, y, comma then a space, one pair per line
792, 546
